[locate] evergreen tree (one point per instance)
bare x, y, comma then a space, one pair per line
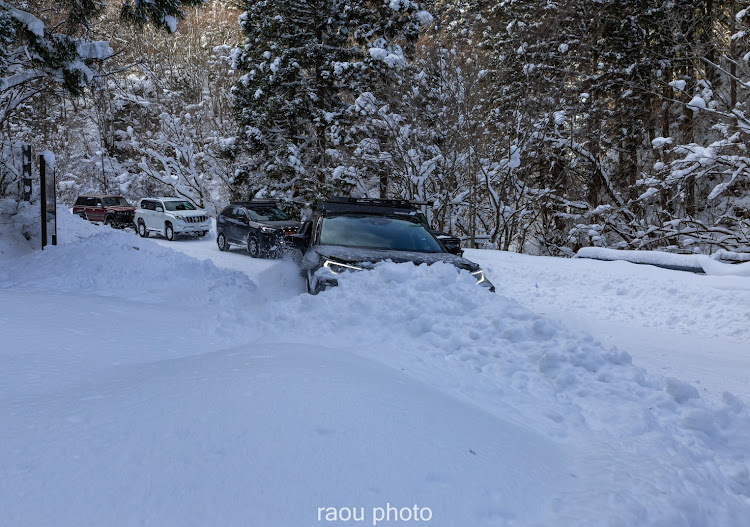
305, 63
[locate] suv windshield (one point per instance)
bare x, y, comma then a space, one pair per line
179, 205
378, 232
266, 214
115, 202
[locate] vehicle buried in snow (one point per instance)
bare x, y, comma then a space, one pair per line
353, 234
170, 217
111, 210
259, 225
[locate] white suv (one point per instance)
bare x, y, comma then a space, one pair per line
170, 217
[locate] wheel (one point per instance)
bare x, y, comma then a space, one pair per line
169, 231
109, 221
252, 246
142, 232
221, 241
83, 216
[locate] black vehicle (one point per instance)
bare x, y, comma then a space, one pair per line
259, 226
352, 234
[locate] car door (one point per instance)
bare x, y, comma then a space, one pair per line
240, 223
156, 214
95, 210
149, 208
230, 225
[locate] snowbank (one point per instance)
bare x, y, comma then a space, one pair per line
680, 262
210, 401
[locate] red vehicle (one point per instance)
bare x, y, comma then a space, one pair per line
110, 210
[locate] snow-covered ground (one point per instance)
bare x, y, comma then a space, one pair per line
166, 383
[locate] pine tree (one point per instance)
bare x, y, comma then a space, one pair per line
305, 63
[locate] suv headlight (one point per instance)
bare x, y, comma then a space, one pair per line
338, 267
479, 275
267, 230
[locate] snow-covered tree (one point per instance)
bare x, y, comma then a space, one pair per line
305, 63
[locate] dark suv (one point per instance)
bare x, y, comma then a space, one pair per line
260, 226
353, 234
111, 210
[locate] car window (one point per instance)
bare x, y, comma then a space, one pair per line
378, 232
267, 213
115, 201
90, 202
178, 205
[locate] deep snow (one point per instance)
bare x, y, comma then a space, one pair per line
143, 385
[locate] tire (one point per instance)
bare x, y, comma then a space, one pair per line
83, 216
109, 221
141, 230
169, 232
253, 249
221, 241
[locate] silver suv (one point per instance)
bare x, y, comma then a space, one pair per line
170, 217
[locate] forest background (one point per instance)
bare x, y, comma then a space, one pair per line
526, 125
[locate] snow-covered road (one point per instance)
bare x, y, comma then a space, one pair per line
166, 383
689, 326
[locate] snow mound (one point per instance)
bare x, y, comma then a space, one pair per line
642, 449
99, 261
650, 435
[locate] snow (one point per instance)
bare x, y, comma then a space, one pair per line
49, 159
170, 22
661, 142
424, 18
32, 23
678, 85
697, 103
173, 384
98, 50
697, 262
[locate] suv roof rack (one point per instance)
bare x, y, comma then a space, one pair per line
376, 202
255, 202
366, 205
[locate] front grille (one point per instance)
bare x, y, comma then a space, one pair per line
195, 219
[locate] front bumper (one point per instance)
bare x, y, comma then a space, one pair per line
191, 228
123, 220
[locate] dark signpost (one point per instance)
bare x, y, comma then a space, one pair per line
49, 201
26, 173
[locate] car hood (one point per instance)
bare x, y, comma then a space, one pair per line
122, 208
188, 213
354, 255
281, 224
